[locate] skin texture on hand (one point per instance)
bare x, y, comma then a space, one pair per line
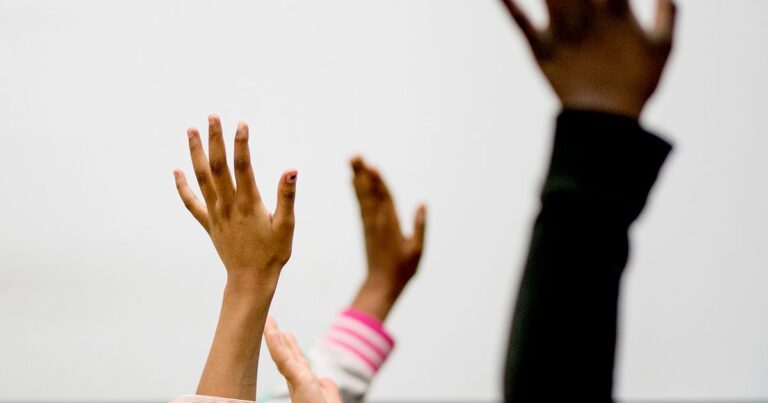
393, 258
597, 56
253, 244
303, 385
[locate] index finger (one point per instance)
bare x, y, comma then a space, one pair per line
201, 167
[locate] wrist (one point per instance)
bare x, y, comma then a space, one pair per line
252, 283
601, 103
377, 296
386, 285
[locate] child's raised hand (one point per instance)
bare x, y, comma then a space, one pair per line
253, 244
393, 258
303, 385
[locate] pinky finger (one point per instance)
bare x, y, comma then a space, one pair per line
194, 206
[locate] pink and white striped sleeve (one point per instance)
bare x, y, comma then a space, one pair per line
361, 338
352, 351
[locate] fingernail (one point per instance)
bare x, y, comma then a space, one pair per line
190, 133
211, 120
292, 178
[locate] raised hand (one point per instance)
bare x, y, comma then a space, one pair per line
303, 385
597, 56
253, 244
393, 258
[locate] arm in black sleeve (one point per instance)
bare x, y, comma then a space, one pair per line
563, 334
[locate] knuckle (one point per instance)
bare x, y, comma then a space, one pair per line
224, 210
244, 207
217, 168
289, 194
202, 177
242, 165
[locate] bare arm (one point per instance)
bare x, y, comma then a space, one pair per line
253, 244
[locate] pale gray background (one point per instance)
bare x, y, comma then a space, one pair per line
110, 290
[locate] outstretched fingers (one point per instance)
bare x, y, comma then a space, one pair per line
247, 191
217, 156
361, 180
379, 188
369, 185
377, 208
202, 170
293, 344
357, 164
278, 349
194, 206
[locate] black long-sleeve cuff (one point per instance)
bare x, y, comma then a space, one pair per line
607, 157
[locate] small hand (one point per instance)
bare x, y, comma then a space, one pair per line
392, 257
596, 55
303, 385
253, 244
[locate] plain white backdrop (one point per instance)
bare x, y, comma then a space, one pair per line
109, 290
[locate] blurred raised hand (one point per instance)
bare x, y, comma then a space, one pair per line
393, 257
597, 56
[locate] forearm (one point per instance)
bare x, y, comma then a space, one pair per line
564, 329
230, 370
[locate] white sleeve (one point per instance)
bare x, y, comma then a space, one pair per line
350, 354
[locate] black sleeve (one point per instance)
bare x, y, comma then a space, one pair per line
563, 332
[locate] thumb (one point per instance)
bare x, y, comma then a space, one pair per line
286, 194
419, 228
